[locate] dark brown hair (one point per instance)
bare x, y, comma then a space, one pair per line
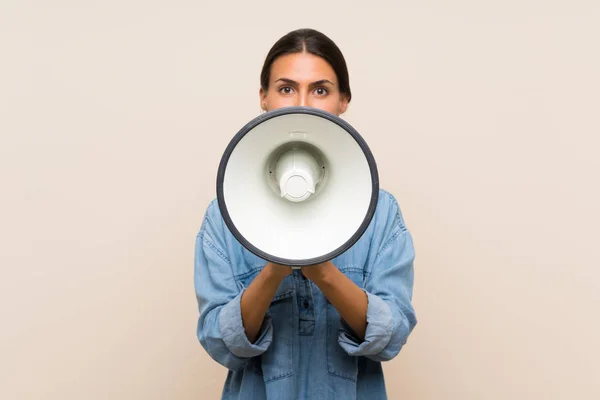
313, 42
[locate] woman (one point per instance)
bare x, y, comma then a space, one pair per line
320, 332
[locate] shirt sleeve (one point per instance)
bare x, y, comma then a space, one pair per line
388, 286
220, 328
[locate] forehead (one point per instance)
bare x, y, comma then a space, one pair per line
302, 67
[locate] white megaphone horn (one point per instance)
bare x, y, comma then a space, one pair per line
297, 186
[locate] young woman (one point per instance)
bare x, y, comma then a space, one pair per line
320, 332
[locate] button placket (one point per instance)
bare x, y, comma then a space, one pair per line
306, 312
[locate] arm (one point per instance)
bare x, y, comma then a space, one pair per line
257, 298
347, 298
379, 333
389, 286
220, 329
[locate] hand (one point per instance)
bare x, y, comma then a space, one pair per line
347, 297
319, 273
278, 271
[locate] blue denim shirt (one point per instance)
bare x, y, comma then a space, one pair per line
305, 350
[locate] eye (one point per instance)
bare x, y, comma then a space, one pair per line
286, 90
321, 91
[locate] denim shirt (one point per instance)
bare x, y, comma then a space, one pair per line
304, 349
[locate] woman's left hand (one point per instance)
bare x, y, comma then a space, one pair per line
319, 272
347, 298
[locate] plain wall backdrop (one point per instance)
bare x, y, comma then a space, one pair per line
484, 121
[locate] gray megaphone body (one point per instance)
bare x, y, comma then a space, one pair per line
297, 186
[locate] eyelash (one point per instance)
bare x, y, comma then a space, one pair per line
289, 87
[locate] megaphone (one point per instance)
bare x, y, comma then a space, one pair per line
297, 186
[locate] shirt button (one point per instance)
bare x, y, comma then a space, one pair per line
305, 304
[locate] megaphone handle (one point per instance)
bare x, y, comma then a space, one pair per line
296, 267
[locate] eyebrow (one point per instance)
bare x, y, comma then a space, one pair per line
292, 82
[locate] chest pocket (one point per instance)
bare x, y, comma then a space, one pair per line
339, 363
277, 362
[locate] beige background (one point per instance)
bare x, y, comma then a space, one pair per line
483, 118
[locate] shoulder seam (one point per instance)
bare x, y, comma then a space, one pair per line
399, 216
214, 248
400, 226
201, 234
387, 244
205, 217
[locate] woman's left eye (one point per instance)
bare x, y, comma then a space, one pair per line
321, 91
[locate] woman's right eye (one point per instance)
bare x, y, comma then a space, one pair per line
286, 90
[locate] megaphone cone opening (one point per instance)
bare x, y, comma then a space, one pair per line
318, 228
